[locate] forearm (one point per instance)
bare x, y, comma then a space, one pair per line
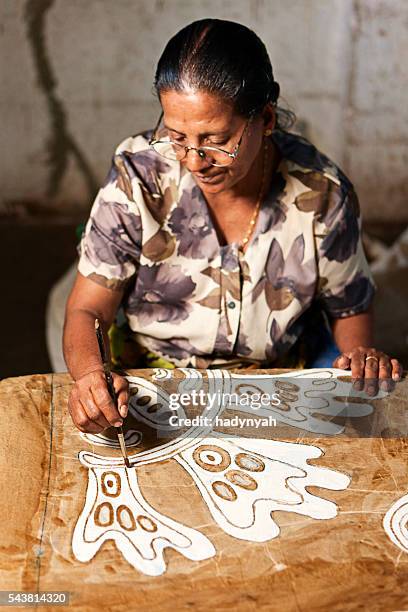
354, 331
81, 351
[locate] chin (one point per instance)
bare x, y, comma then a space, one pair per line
212, 188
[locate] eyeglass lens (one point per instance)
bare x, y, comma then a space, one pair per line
174, 151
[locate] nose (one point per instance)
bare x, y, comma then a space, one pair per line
195, 162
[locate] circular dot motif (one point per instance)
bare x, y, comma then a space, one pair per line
104, 515
144, 400
125, 518
248, 388
245, 481
284, 385
249, 462
110, 483
224, 490
211, 458
153, 408
146, 523
288, 392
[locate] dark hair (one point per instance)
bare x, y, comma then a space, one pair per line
224, 58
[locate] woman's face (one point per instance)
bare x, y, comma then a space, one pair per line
197, 118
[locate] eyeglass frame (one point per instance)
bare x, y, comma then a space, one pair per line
233, 154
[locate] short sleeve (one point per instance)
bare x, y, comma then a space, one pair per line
111, 244
346, 286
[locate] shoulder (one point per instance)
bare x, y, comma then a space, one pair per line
137, 151
134, 160
321, 186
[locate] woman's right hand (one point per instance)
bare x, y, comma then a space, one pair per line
90, 405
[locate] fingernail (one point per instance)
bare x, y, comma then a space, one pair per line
123, 410
118, 423
384, 385
396, 377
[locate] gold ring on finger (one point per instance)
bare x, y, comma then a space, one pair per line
371, 357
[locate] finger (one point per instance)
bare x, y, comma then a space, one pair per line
81, 419
84, 402
87, 425
122, 389
74, 408
357, 370
342, 362
396, 369
123, 403
384, 374
93, 412
105, 404
371, 374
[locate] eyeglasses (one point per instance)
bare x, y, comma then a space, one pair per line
164, 146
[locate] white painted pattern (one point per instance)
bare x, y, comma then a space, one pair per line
310, 395
244, 480
132, 438
241, 480
396, 523
115, 509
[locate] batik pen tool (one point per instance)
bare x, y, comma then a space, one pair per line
111, 388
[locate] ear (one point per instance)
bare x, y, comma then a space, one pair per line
269, 118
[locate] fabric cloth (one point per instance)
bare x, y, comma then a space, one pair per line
195, 302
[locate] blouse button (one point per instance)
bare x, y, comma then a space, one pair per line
231, 304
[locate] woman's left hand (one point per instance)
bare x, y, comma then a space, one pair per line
370, 369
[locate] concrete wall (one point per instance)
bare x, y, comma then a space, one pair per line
77, 78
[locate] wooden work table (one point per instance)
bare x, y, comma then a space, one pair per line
343, 563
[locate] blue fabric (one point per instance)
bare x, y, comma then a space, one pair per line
328, 350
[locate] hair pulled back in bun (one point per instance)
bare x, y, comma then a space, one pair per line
223, 58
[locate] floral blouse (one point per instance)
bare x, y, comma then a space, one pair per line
195, 302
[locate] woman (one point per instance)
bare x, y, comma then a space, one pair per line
220, 234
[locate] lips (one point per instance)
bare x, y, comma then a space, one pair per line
208, 178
